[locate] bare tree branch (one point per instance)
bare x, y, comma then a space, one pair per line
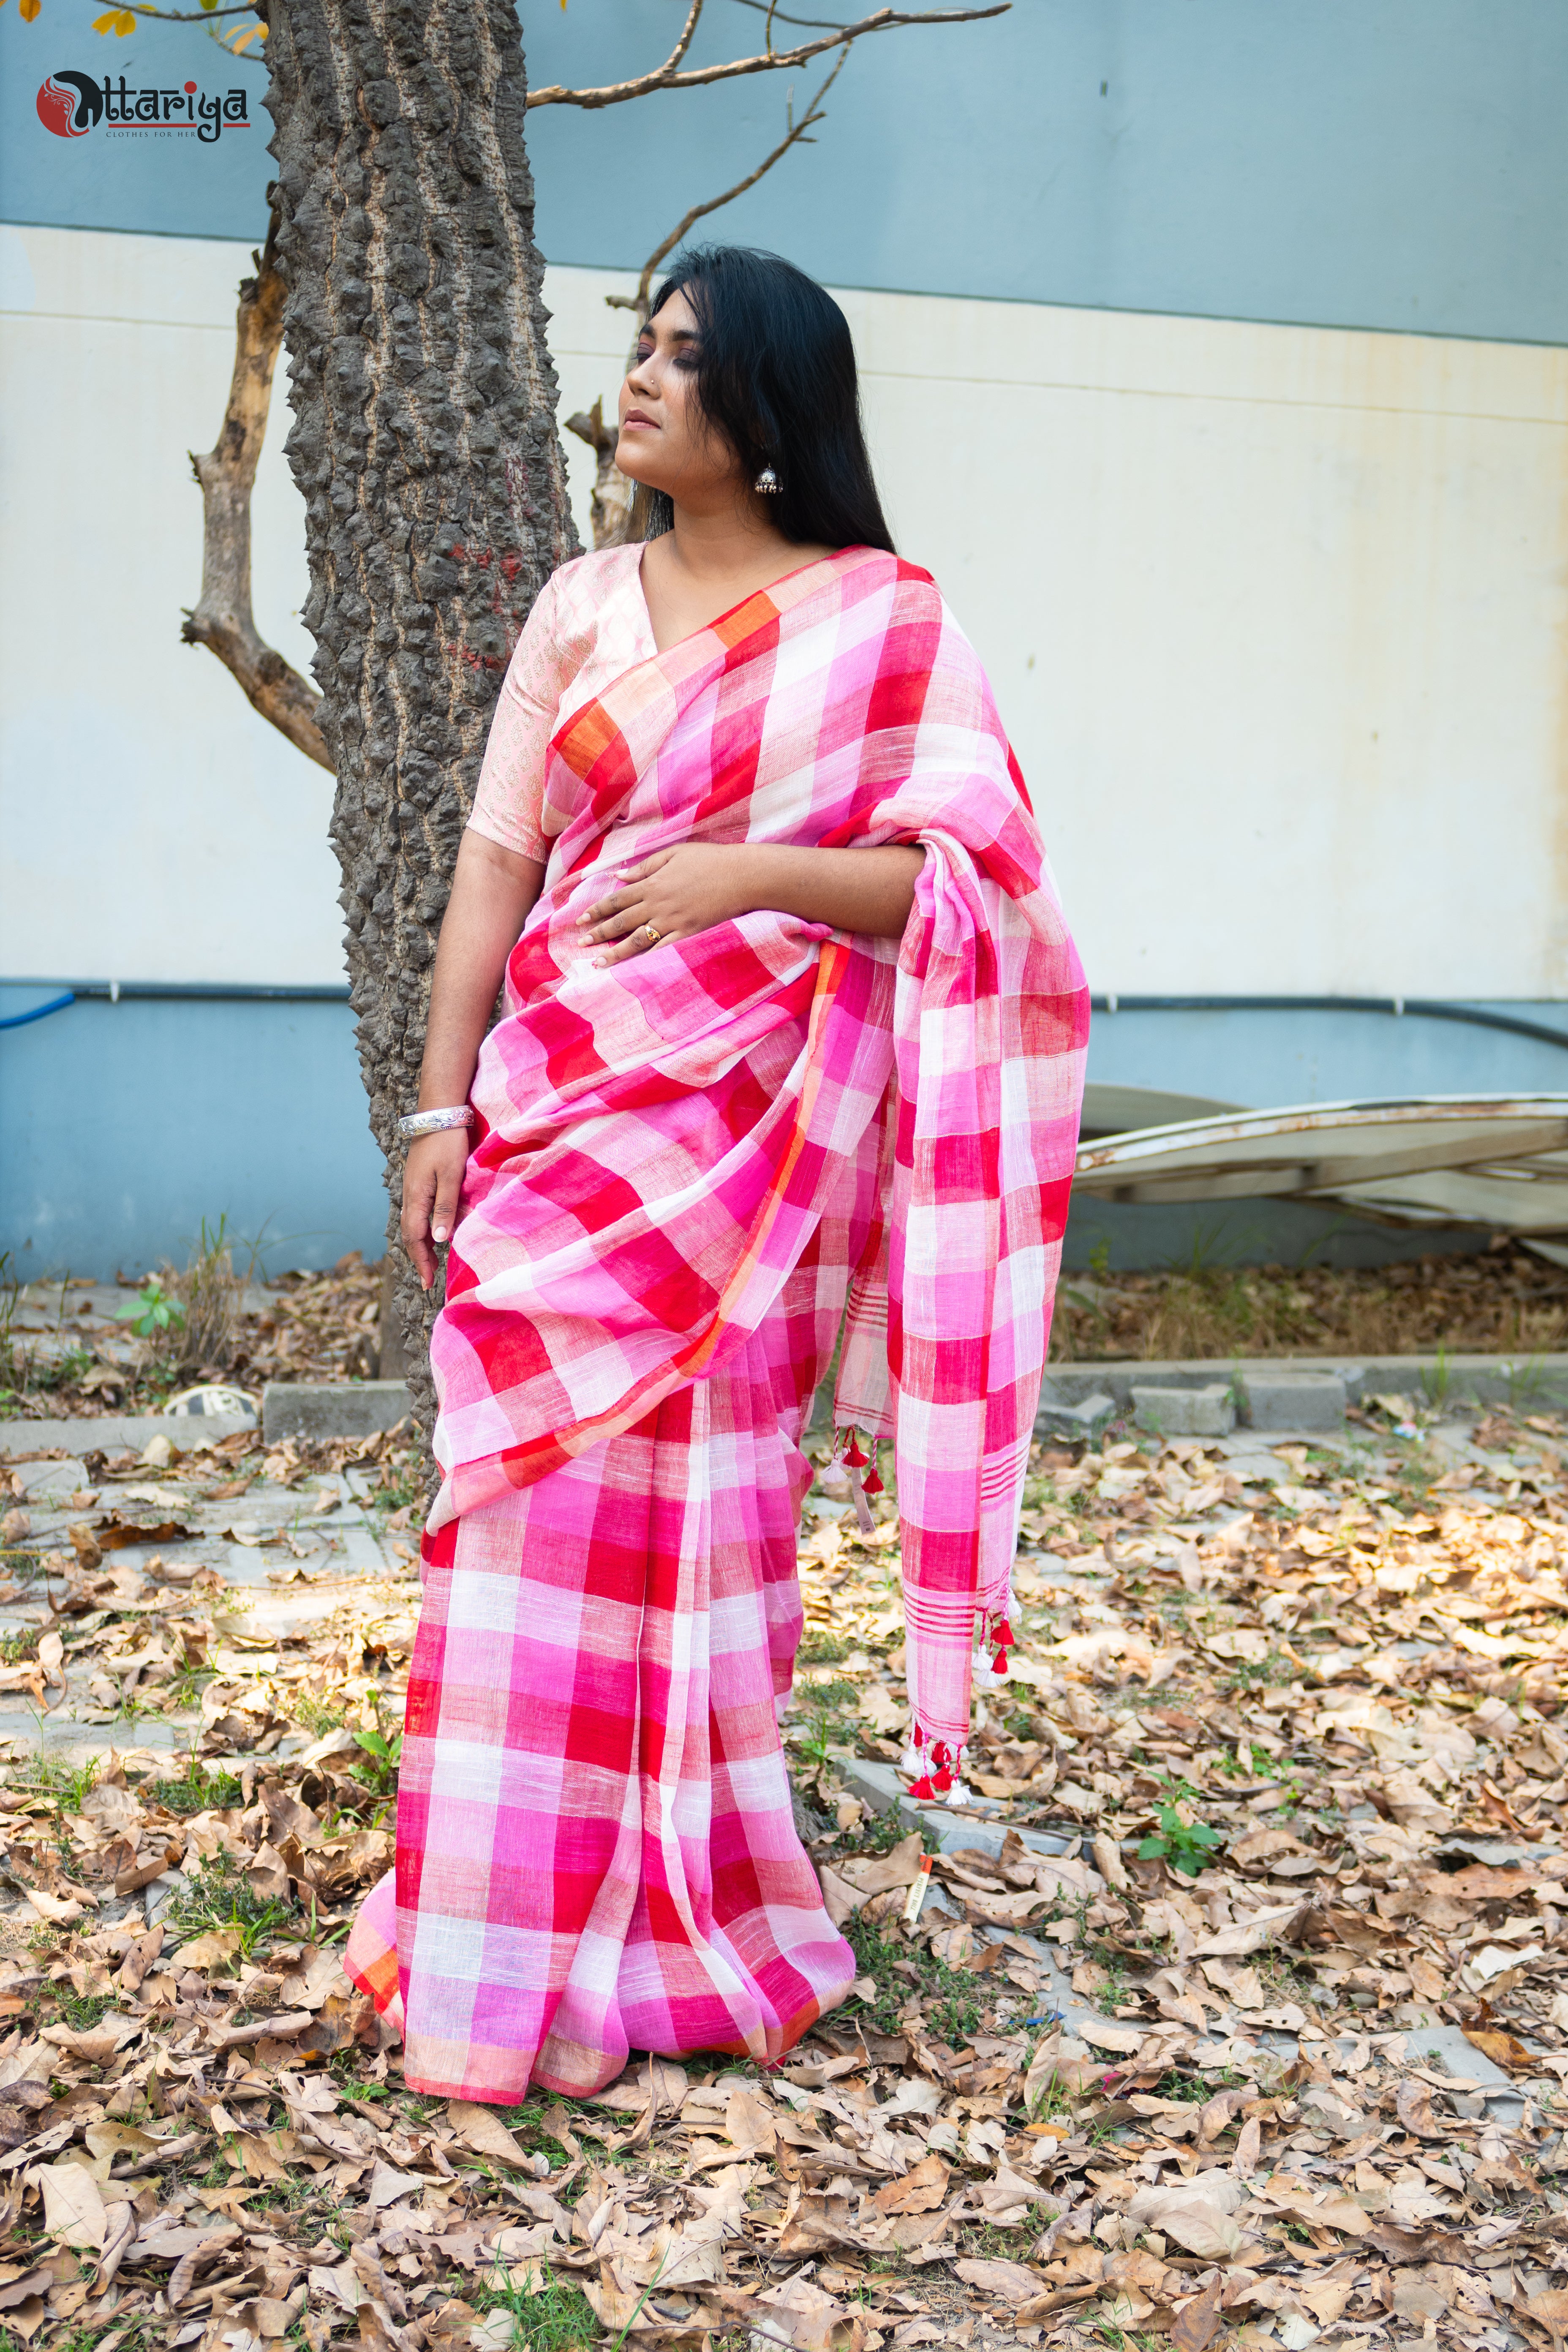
610, 507
188, 16
669, 77
222, 620
639, 301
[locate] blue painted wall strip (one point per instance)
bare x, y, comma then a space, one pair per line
1378, 163
126, 1124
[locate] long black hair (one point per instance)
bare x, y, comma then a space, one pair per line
775, 379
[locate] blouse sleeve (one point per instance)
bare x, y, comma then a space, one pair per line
509, 801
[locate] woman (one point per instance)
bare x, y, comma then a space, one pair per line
793, 1021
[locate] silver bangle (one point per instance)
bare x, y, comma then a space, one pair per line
433, 1122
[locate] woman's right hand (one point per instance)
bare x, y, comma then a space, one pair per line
432, 1180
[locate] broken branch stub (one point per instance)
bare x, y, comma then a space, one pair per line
222, 619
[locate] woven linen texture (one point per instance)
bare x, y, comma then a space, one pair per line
682, 1166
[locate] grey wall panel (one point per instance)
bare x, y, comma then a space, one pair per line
1382, 164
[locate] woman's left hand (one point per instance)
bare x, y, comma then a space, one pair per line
669, 896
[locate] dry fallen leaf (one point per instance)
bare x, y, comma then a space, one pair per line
1197, 2323
919, 2190
1501, 2048
483, 2131
73, 2206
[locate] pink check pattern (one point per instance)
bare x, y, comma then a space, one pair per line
683, 1167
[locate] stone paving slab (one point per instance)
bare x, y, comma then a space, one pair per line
292, 1558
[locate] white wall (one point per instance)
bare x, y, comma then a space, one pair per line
1275, 615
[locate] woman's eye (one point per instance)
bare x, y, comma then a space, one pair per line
687, 359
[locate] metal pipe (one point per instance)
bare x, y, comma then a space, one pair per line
38, 1012
186, 991
1431, 1008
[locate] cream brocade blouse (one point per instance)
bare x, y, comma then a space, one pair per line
588, 625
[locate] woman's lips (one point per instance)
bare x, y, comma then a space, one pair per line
636, 416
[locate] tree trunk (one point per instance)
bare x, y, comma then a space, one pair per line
425, 444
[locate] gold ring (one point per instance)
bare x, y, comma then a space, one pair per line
653, 936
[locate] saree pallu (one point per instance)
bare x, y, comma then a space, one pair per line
685, 1166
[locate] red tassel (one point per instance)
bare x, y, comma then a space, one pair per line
872, 1482
922, 1788
1003, 1634
999, 1663
853, 1455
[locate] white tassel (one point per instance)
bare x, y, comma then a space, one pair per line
913, 1762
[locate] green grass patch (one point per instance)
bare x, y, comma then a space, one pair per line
552, 2321
82, 2011
199, 1790
67, 1784
953, 1998
217, 1897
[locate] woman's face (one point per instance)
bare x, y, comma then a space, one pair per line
666, 442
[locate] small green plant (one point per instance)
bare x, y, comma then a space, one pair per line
316, 1716
835, 1695
822, 1649
200, 1790
218, 1897
1254, 1674
400, 1485
66, 1784
382, 1751
1180, 1839
152, 1311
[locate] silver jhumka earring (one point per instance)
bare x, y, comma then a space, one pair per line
768, 482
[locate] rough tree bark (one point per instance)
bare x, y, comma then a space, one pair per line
222, 619
425, 448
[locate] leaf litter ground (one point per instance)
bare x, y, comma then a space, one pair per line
1270, 1806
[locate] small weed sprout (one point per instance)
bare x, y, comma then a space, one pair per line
1180, 1839
153, 1311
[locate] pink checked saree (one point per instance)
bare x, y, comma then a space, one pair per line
684, 1167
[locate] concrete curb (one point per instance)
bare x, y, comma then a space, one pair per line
1268, 1386
331, 1407
289, 1408
120, 1433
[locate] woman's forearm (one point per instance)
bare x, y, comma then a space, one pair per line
673, 894
869, 890
493, 891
